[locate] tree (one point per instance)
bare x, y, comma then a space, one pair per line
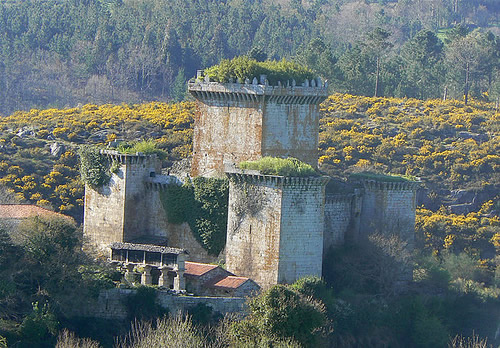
258, 54
421, 56
469, 60
376, 44
318, 57
282, 312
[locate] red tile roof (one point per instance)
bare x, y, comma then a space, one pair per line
198, 269
24, 211
230, 282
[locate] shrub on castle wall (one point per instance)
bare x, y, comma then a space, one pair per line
280, 166
202, 203
94, 168
244, 67
147, 147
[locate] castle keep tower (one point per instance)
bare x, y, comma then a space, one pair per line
275, 223
245, 121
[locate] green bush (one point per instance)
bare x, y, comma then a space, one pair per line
147, 147
244, 67
40, 326
142, 304
94, 168
280, 166
282, 312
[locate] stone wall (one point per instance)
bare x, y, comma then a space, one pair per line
130, 207
301, 230
177, 235
239, 122
338, 215
118, 211
275, 227
111, 304
291, 130
388, 208
253, 241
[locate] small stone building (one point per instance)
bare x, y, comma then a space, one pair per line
212, 280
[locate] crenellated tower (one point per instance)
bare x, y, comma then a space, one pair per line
245, 121
117, 212
275, 227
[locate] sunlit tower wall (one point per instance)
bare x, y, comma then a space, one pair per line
119, 211
236, 122
275, 227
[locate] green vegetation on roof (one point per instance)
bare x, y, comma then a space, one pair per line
244, 67
280, 166
383, 177
147, 147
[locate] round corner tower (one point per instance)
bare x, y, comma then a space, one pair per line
246, 121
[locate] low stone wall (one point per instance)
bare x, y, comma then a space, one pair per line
111, 304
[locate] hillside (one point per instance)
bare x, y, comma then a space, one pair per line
452, 147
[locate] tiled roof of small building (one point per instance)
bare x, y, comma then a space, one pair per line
25, 211
197, 269
231, 282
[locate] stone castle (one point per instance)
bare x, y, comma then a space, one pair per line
279, 228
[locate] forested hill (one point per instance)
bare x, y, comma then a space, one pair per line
65, 52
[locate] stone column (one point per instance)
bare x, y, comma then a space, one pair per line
146, 275
129, 273
179, 283
164, 280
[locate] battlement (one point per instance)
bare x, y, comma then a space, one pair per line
390, 186
251, 177
161, 182
311, 92
138, 158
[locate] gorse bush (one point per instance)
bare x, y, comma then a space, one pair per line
280, 166
244, 67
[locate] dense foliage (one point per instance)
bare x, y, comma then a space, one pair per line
203, 204
280, 166
45, 278
94, 167
244, 67
69, 52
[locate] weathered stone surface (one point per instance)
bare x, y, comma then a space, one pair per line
389, 209
111, 304
338, 215
275, 227
129, 208
236, 122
